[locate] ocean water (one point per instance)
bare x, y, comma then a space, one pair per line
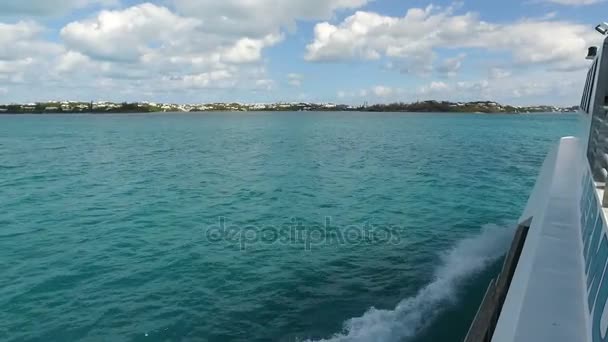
259, 226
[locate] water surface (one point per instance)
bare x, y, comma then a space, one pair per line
108, 223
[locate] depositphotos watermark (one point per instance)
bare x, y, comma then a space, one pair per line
299, 232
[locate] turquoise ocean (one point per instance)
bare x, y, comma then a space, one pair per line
259, 226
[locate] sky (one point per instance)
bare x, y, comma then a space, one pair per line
520, 52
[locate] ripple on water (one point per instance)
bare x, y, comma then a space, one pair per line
104, 220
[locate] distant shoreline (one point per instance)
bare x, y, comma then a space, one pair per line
71, 107
227, 112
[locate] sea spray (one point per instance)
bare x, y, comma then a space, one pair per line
467, 258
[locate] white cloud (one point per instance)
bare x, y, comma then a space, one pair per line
530, 89
155, 36
260, 17
24, 39
149, 48
174, 51
534, 87
416, 36
29, 56
23, 30
149, 42
12, 66
128, 34
526, 88
451, 66
72, 61
247, 50
294, 80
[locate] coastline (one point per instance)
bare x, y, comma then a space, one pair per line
71, 107
229, 112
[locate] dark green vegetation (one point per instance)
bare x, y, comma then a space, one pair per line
464, 107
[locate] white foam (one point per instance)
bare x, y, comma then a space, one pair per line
466, 258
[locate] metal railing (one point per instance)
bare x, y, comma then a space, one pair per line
595, 104
597, 151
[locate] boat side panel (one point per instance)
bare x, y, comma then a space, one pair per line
546, 300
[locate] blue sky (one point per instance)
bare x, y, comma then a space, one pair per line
346, 51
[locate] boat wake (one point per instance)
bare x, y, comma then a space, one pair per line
467, 258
